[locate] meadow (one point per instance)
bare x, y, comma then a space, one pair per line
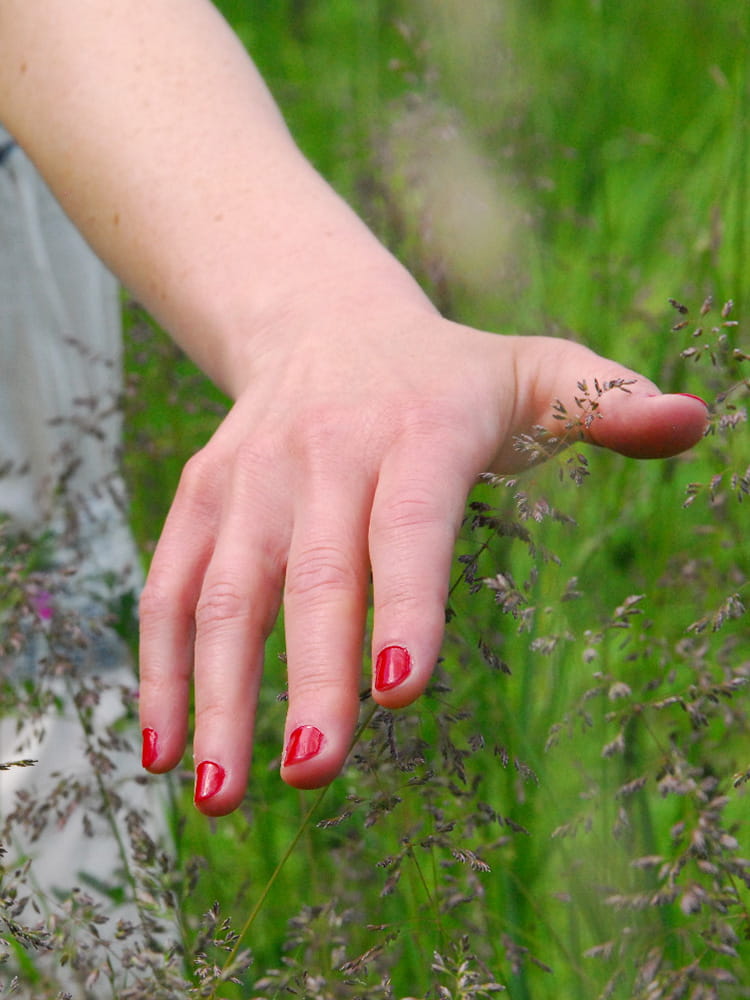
564, 813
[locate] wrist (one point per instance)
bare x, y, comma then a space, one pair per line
321, 286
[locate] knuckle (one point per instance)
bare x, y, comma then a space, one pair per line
318, 571
402, 599
309, 687
412, 509
196, 500
198, 476
428, 599
222, 602
319, 421
428, 419
257, 456
211, 716
321, 437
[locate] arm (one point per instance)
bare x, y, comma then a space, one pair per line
361, 417
162, 142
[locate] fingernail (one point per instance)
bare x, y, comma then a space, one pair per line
209, 778
691, 396
392, 667
150, 748
305, 742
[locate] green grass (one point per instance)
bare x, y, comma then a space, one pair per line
617, 135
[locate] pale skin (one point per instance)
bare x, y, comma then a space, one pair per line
361, 418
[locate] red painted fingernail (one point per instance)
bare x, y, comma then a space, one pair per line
305, 742
150, 748
691, 396
392, 667
209, 778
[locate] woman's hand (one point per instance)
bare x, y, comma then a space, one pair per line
350, 451
361, 418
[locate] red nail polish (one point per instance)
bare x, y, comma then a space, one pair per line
691, 396
209, 778
392, 667
305, 742
150, 748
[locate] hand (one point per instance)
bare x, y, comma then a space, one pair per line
361, 417
350, 450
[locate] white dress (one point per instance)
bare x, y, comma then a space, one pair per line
60, 378
60, 439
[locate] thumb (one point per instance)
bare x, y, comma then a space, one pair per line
576, 395
650, 425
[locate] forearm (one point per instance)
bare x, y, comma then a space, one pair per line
159, 137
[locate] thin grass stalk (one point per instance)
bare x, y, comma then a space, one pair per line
307, 819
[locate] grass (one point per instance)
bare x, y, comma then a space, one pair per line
563, 813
